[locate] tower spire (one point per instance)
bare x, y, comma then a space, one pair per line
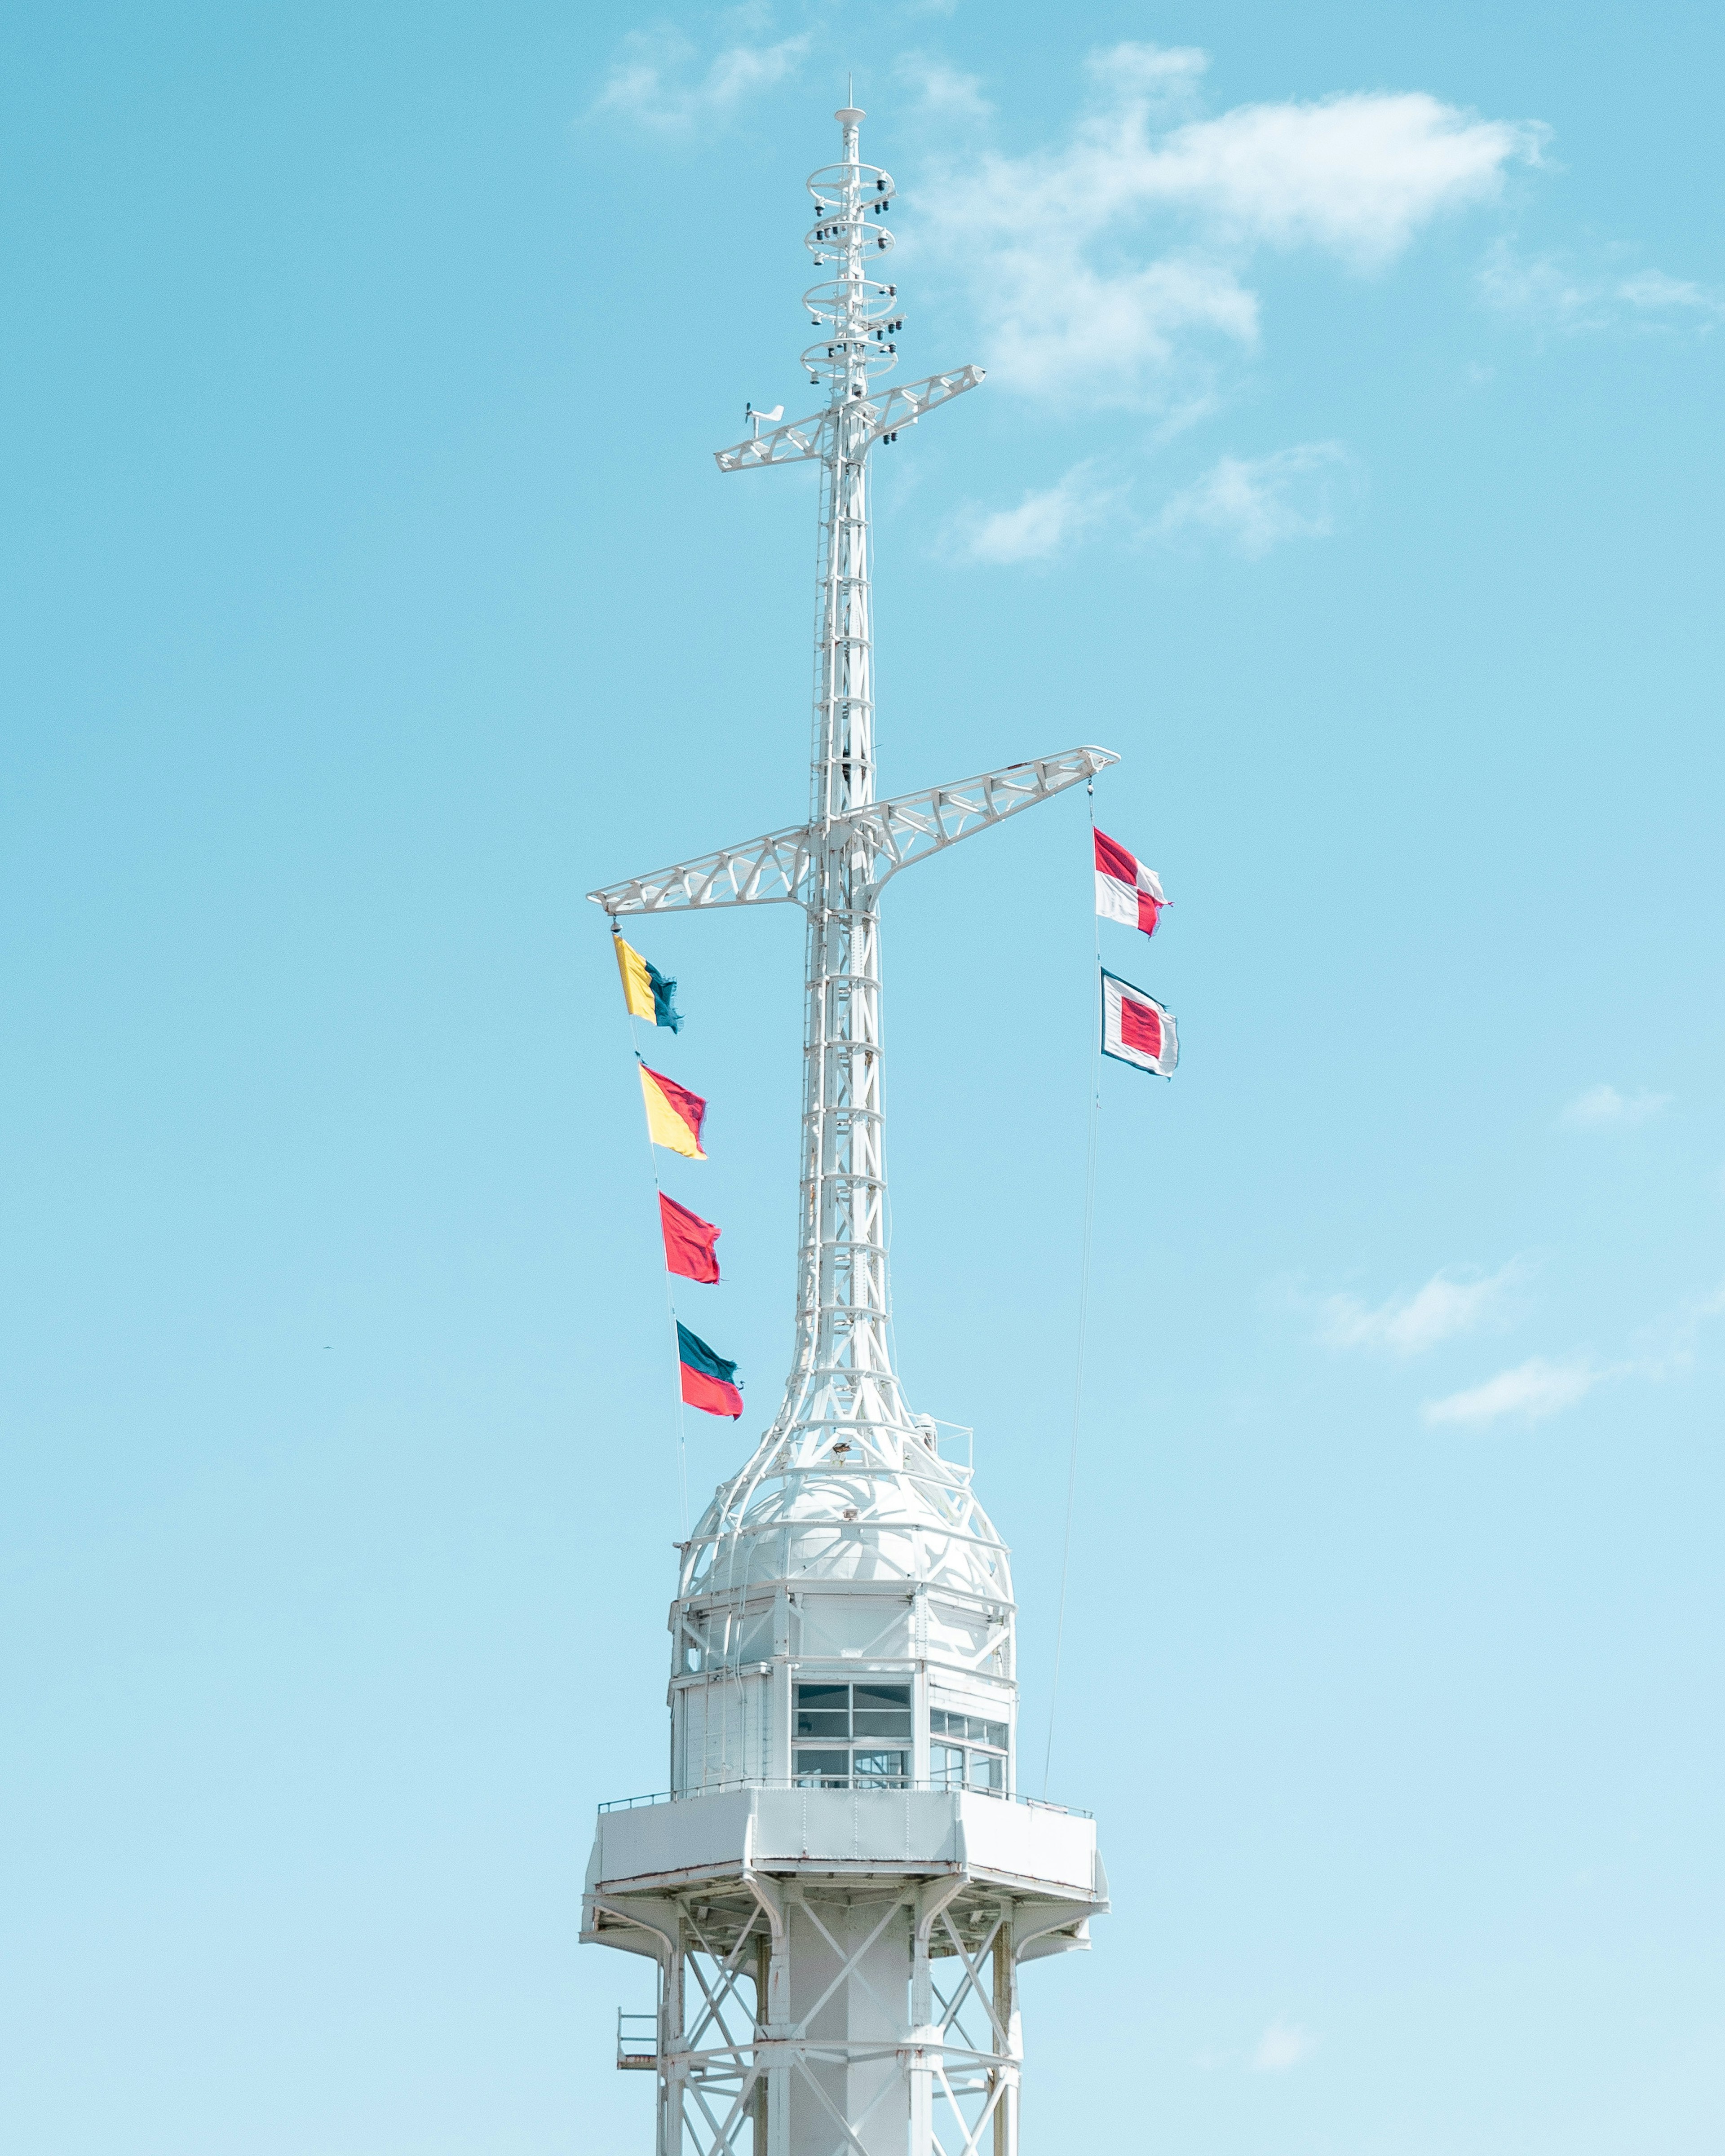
843, 1629
843, 1405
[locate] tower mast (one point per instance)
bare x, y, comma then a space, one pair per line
843, 1370
842, 1882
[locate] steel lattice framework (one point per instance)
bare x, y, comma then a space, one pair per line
839, 1964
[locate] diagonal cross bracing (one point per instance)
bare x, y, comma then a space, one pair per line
780, 867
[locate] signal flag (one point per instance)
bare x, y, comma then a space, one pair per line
1126, 890
688, 1241
708, 1379
645, 990
674, 1114
1136, 1029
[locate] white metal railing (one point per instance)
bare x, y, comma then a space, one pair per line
811, 1782
636, 2041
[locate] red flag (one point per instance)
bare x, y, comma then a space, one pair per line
688, 1241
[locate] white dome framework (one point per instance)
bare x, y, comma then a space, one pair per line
842, 1882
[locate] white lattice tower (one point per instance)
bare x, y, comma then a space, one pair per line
842, 1882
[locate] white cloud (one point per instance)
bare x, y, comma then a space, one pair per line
1650, 291
1356, 175
1556, 294
1281, 2047
1552, 291
1603, 1107
1257, 502
944, 92
658, 82
1110, 267
1040, 526
1449, 1304
1667, 1346
1534, 1389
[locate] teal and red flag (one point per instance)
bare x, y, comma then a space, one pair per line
709, 1381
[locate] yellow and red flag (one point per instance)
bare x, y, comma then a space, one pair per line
674, 1114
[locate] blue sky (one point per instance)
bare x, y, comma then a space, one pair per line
1349, 463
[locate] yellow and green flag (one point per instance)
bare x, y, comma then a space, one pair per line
645, 990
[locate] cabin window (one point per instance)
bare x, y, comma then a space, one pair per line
967, 1752
845, 1736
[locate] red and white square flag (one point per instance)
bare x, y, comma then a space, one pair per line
1136, 1029
1126, 890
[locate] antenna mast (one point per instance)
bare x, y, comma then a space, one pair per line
841, 1833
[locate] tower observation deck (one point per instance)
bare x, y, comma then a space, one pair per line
843, 1883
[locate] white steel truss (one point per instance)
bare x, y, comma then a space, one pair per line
731, 2032
798, 440
853, 1991
836, 864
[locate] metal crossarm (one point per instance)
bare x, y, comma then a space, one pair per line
795, 441
904, 404
798, 440
783, 867
915, 825
759, 872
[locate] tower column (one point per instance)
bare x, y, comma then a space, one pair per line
840, 1875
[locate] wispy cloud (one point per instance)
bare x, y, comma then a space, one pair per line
1665, 1349
1604, 1108
1451, 1303
1254, 503
1533, 1390
1555, 292
1250, 504
1281, 2045
943, 91
1111, 267
659, 82
1039, 526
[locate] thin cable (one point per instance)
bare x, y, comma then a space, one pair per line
671, 1307
1090, 1211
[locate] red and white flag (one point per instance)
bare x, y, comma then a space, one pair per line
1136, 1029
1126, 890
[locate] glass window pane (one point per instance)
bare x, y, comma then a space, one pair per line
937, 1720
823, 1769
881, 1722
990, 1732
823, 1710
946, 1766
987, 1771
818, 1722
880, 1765
876, 1696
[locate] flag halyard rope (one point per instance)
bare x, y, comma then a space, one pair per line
671, 1306
1093, 1073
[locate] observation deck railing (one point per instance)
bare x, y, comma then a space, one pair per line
893, 1784
636, 2041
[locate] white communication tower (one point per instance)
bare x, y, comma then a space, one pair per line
843, 1879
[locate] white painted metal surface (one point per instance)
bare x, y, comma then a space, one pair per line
840, 1885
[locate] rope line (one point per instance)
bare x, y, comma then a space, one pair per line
671, 1307
1089, 1209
